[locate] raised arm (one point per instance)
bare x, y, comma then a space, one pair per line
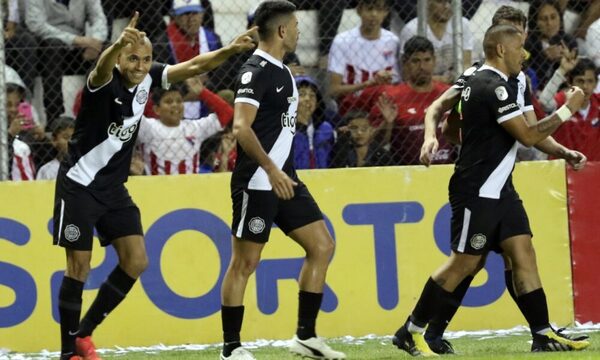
102, 73
531, 134
210, 60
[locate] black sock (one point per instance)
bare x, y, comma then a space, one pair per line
446, 312
429, 303
111, 293
535, 309
69, 309
231, 318
308, 307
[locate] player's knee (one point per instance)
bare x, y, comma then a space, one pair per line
135, 265
78, 269
322, 250
244, 266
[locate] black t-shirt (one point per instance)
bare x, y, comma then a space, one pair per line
106, 129
266, 83
487, 157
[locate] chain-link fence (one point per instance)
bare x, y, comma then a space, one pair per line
365, 80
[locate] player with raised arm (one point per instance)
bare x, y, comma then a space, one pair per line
90, 191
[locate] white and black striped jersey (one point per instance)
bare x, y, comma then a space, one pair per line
267, 83
487, 156
520, 82
106, 129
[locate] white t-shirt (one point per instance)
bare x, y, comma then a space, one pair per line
49, 171
174, 150
358, 59
592, 42
443, 47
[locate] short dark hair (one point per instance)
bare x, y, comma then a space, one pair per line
494, 35
158, 93
583, 65
383, 3
511, 14
269, 13
354, 114
60, 124
416, 44
12, 87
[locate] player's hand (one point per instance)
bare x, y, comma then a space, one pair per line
428, 150
576, 159
282, 184
575, 98
245, 41
130, 34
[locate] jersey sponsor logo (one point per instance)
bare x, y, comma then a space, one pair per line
123, 134
288, 121
278, 89
118, 101
501, 93
245, 91
466, 93
72, 233
141, 97
246, 77
256, 225
478, 241
507, 107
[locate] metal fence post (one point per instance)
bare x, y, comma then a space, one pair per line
422, 18
3, 115
458, 37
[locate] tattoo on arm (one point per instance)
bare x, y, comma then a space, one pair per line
549, 124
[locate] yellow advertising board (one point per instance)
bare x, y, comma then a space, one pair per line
391, 226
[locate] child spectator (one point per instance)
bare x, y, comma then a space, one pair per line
364, 56
356, 146
582, 131
171, 145
62, 130
314, 134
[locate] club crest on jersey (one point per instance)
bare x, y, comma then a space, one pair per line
72, 233
246, 77
501, 93
141, 97
478, 241
123, 134
256, 225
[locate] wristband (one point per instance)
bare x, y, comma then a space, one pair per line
564, 113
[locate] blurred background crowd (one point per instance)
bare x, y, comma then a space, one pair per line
365, 70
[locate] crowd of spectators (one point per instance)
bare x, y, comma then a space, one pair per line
367, 111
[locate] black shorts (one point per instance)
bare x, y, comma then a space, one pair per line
478, 225
77, 210
255, 211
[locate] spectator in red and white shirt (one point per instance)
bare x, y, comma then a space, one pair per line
171, 144
402, 107
363, 56
582, 131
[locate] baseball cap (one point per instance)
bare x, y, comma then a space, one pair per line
181, 7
